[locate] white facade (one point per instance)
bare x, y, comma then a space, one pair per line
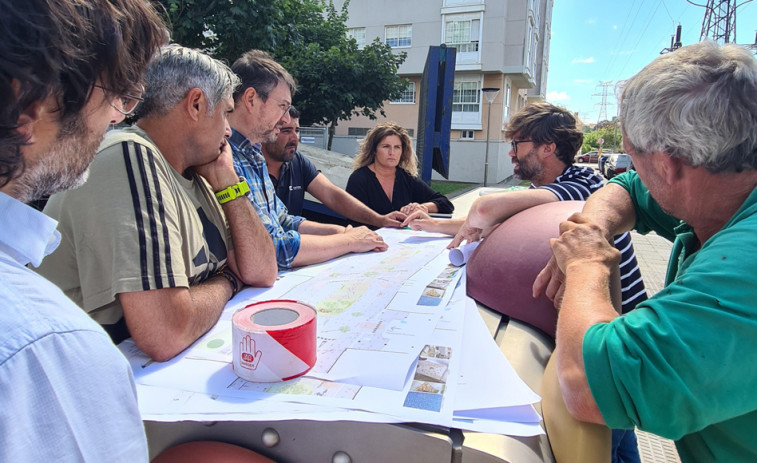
499, 43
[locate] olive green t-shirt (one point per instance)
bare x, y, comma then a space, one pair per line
135, 225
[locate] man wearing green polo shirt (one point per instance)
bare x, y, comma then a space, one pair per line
683, 365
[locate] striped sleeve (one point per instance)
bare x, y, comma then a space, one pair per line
576, 184
155, 229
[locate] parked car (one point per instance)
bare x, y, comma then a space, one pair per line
591, 156
617, 164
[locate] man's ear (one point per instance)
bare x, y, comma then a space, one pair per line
248, 98
195, 104
549, 149
28, 118
671, 168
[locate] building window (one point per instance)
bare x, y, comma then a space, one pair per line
399, 36
462, 32
357, 33
506, 104
408, 95
466, 135
358, 131
532, 51
465, 97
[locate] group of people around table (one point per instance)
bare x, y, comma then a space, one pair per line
198, 198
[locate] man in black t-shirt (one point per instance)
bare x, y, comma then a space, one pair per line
293, 174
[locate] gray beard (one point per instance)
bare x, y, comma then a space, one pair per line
64, 167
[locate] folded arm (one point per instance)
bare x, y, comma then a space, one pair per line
164, 322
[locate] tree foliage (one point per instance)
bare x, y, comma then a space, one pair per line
336, 80
611, 134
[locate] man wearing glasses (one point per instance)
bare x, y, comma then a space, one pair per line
260, 103
161, 236
292, 174
544, 140
67, 393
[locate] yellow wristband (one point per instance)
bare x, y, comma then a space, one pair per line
233, 192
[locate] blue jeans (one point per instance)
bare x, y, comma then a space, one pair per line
624, 447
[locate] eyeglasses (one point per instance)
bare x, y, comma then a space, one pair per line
128, 102
514, 144
283, 105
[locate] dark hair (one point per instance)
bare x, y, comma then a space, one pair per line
546, 123
62, 49
294, 113
258, 70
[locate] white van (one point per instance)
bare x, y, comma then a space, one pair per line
617, 164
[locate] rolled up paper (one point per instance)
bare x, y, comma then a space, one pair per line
273, 340
459, 256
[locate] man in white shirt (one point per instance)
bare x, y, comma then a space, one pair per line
67, 392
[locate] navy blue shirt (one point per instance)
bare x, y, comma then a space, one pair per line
294, 178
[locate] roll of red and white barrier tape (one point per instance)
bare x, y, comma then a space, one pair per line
273, 340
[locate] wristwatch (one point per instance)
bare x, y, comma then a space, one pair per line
233, 192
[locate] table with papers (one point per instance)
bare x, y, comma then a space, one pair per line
409, 369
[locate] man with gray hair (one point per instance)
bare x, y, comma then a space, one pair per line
149, 250
262, 106
682, 365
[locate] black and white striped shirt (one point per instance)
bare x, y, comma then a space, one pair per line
576, 184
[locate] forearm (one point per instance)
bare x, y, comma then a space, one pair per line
611, 209
350, 207
254, 257
308, 227
587, 301
446, 226
318, 248
493, 209
164, 322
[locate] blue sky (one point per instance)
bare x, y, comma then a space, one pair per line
604, 40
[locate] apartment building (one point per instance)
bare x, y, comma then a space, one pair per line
502, 44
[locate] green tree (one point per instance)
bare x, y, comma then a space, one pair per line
613, 139
336, 80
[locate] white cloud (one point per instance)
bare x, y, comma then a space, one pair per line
557, 96
615, 27
591, 21
583, 61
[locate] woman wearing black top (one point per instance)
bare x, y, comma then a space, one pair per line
386, 175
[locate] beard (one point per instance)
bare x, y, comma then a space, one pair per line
64, 166
527, 168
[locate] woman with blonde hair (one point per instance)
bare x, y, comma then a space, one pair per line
386, 175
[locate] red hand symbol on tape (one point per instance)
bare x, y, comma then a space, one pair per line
250, 356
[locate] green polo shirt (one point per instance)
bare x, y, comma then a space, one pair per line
683, 365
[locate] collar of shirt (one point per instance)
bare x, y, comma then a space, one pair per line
243, 143
26, 234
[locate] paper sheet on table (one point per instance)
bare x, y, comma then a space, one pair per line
375, 310
203, 388
502, 387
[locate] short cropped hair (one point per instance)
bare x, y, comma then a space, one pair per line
64, 48
294, 113
546, 123
367, 155
698, 103
258, 70
175, 71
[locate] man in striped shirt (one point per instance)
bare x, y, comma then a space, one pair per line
544, 140
148, 249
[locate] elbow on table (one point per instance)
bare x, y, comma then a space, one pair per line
262, 277
161, 350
